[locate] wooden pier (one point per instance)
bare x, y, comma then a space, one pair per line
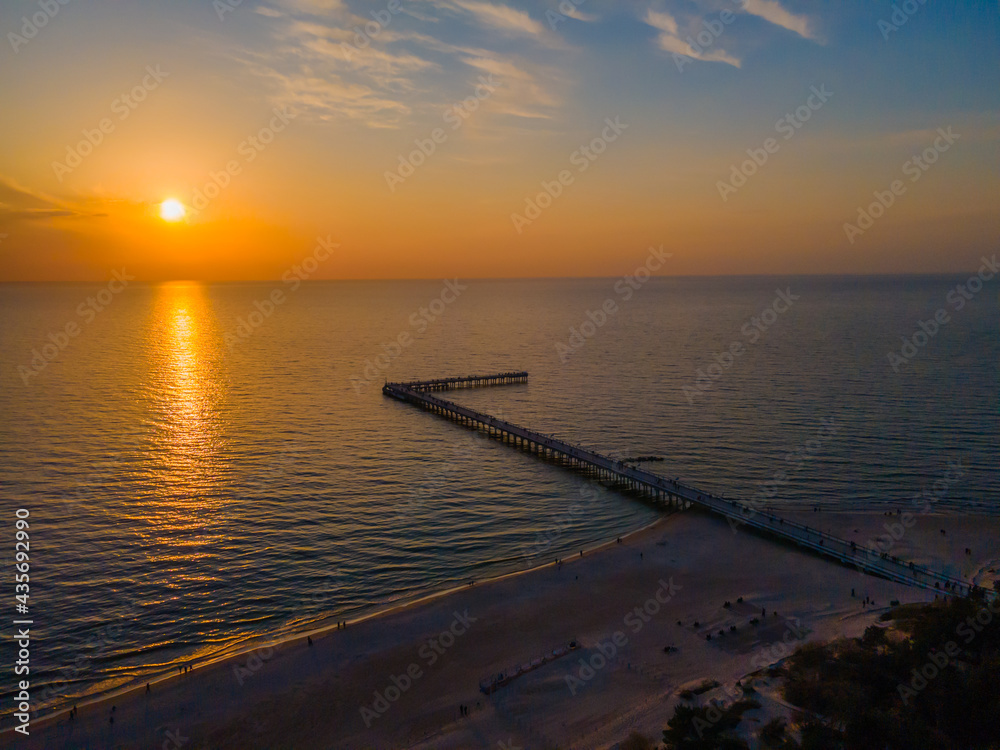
663, 490
469, 381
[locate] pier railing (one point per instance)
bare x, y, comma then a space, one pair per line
664, 489
468, 381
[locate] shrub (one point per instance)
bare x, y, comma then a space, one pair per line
706, 727
872, 687
636, 741
774, 731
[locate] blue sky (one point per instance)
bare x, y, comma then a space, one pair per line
560, 69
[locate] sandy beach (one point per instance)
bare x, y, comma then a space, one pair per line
398, 680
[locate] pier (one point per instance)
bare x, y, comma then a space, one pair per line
469, 381
663, 490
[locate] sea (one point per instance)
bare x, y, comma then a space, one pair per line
205, 468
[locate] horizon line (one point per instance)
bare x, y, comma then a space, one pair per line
145, 282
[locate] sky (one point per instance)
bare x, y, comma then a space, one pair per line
478, 139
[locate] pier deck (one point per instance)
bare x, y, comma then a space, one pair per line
663, 489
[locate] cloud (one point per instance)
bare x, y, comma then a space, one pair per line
268, 12
329, 99
670, 40
772, 12
326, 62
314, 67
500, 17
314, 7
34, 213
12, 193
21, 203
663, 21
579, 15
519, 93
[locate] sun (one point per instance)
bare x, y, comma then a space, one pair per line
172, 210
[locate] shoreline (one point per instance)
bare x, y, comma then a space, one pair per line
310, 695
262, 642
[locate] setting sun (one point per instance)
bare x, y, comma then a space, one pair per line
172, 210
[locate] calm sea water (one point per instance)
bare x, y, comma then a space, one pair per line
194, 485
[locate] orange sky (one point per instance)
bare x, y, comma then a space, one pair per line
111, 108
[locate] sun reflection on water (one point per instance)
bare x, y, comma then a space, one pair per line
186, 397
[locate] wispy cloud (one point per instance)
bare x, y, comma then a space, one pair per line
21, 203
573, 12
670, 41
314, 67
663, 21
773, 12
268, 12
323, 66
520, 93
314, 7
498, 17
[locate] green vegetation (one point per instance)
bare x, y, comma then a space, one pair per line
930, 682
706, 727
935, 689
